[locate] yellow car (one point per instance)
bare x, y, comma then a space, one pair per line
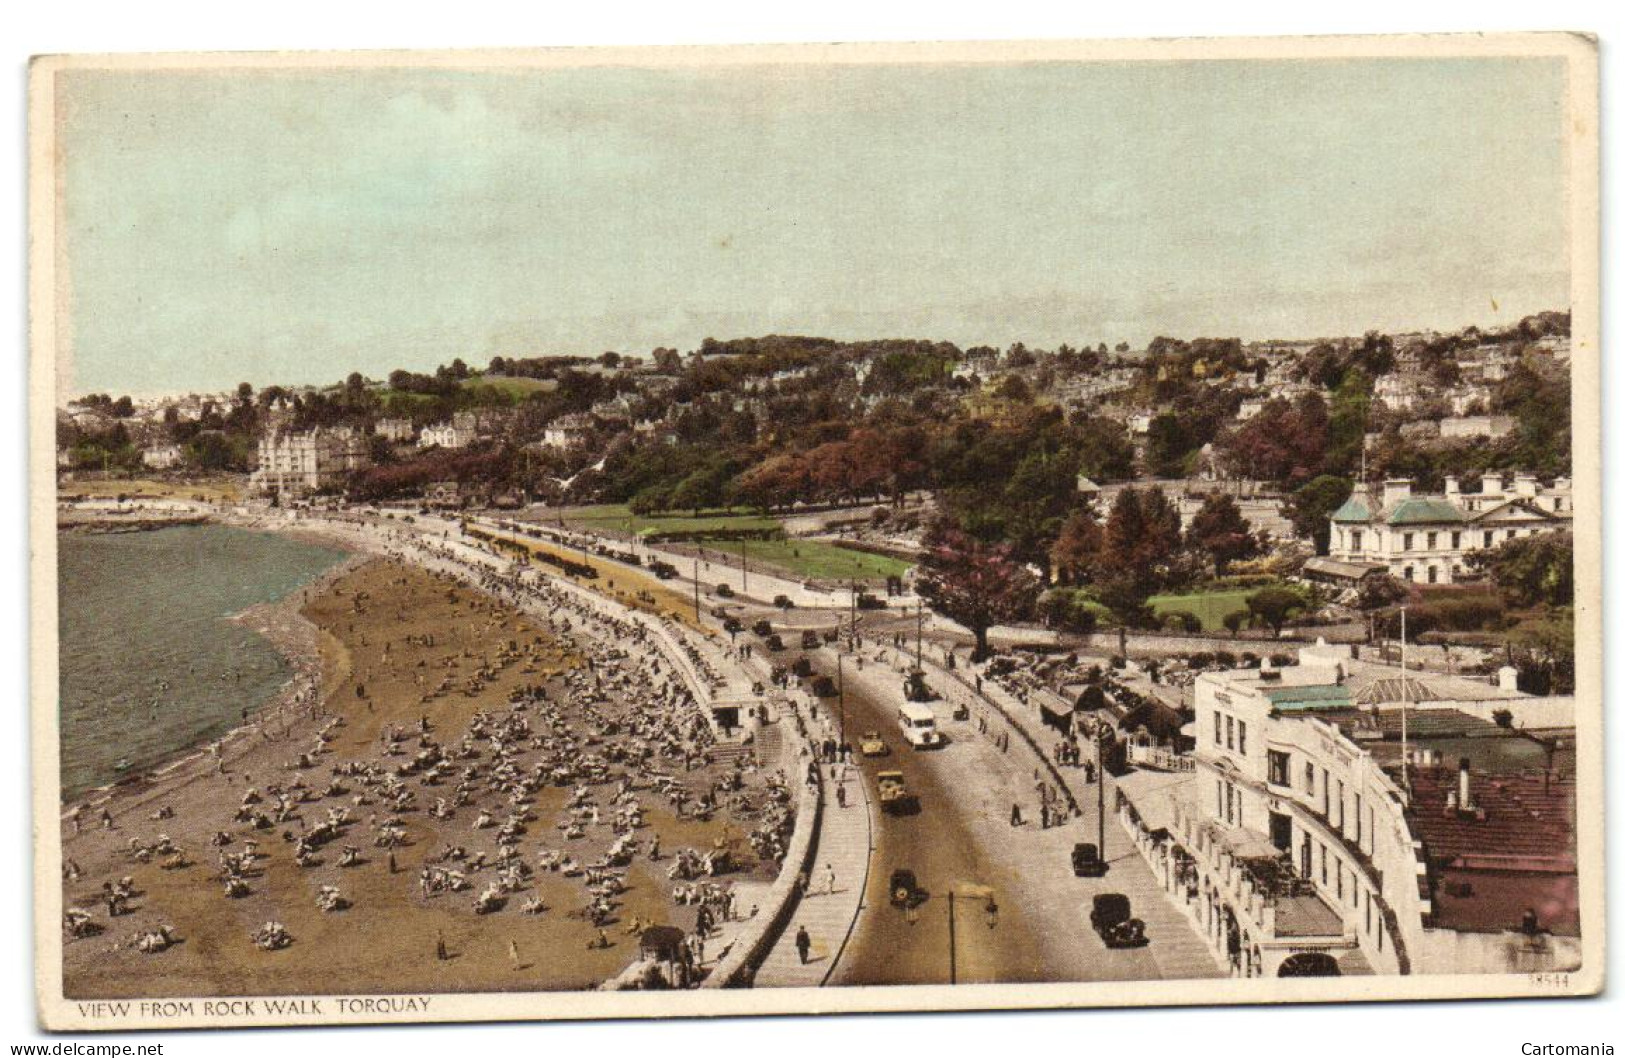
872, 745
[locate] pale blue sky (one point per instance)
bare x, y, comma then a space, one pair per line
294, 227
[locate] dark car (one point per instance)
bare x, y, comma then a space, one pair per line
904, 888
810, 640
1112, 918
824, 687
763, 628
773, 642
663, 570
1086, 861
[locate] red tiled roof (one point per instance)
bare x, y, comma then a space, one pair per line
1519, 856
1525, 818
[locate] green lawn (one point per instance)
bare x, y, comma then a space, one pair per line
516, 387
803, 559
616, 518
817, 560
1209, 607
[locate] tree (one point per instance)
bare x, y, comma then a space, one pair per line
1283, 442
1534, 570
1125, 596
701, 489
1168, 444
1275, 606
1080, 548
1543, 653
1310, 508
974, 583
1234, 620
1219, 531
1378, 590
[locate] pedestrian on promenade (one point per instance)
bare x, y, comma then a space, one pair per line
840, 796
803, 943
513, 953
440, 946
1015, 815
829, 878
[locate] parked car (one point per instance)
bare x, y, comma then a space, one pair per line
872, 745
810, 640
763, 628
1086, 861
1113, 918
663, 570
775, 643
824, 687
904, 888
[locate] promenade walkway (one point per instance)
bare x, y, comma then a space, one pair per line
844, 844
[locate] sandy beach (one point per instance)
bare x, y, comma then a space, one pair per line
393, 662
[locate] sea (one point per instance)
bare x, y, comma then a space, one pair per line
151, 662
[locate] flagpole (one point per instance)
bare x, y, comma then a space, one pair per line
1404, 710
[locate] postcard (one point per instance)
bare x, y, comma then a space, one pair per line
585, 533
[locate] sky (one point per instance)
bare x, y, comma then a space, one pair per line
292, 227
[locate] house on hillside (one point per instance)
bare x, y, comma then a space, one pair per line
1427, 538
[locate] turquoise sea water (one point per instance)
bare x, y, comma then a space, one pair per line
150, 662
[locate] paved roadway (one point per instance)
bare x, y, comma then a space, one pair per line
939, 843
962, 838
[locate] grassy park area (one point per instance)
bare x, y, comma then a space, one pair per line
801, 559
223, 489
1209, 607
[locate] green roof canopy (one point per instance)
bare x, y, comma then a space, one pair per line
1354, 509
1298, 699
1423, 509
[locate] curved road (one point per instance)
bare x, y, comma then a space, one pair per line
936, 843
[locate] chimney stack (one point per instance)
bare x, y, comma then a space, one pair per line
1464, 786
1527, 486
1452, 486
1396, 489
1493, 485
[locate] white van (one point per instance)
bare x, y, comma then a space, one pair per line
919, 725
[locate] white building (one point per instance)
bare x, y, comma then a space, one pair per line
1398, 392
297, 463
1318, 834
567, 431
446, 435
163, 457
1491, 426
1427, 538
396, 431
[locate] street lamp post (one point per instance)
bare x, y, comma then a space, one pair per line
1100, 792
696, 589
840, 691
744, 569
